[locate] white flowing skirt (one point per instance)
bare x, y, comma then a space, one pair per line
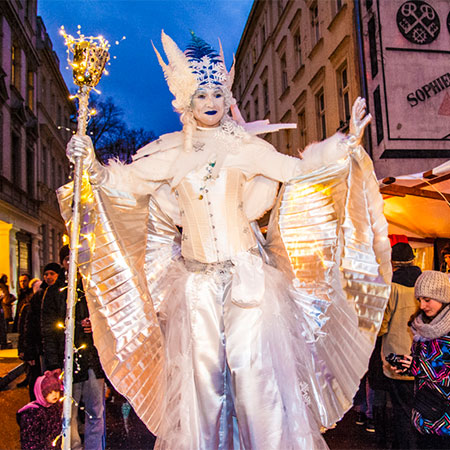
237, 377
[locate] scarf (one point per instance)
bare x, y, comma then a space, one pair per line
438, 327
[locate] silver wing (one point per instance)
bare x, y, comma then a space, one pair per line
116, 229
328, 232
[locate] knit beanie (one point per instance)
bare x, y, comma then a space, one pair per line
402, 253
64, 251
55, 267
433, 284
51, 382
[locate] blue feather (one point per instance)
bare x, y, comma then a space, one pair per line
198, 48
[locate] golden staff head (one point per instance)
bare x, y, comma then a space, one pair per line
90, 55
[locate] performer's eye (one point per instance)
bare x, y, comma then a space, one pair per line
219, 95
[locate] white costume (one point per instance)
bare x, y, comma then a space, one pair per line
228, 341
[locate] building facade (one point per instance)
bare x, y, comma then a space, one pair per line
35, 114
297, 62
305, 61
406, 52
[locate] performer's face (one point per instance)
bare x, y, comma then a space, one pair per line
208, 106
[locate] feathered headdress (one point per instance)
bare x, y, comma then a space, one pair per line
199, 66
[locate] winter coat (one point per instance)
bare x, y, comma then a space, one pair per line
32, 339
39, 426
8, 300
431, 367
53, 313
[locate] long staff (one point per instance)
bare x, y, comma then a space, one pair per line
89, 58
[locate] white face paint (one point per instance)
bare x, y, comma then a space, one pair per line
208, 106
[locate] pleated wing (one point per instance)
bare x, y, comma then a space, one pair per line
328, 232
116, 229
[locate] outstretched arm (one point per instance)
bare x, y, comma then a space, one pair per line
358, 121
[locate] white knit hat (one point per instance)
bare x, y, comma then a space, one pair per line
433, 284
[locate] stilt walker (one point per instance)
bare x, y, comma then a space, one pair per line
90, 55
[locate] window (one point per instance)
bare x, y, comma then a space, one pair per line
54, 183
378, 114
284, 75
30, 172
298, 49
372, 47
247, 111
254, 55
266, 97
263, 35
30, 90
314, 11
280, 7
320, 111
301, 125
344, 93
44, 164
16, 159
256, 108
15, 66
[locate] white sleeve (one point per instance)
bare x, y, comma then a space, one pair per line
143, 175
261, 158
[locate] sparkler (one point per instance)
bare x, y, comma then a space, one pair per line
87, 55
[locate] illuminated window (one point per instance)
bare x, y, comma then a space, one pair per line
15, 66
30, 90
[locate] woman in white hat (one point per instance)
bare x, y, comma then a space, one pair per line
430, 360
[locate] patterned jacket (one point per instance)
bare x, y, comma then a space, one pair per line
431, 367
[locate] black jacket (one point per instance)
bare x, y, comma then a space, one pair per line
32, 338
53, 312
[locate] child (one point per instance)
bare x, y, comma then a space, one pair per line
41, 421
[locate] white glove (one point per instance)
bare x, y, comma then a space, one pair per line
358, 122
82, 146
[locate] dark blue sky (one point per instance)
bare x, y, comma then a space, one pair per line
135, 81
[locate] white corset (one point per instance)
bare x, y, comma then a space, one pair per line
215, 227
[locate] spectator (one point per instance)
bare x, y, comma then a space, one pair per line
7, 300
445, 252
32, 340
88, 376
40, 421
397, 338
23, 297
430, 361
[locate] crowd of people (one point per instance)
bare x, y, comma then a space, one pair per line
409, 372
40, 312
